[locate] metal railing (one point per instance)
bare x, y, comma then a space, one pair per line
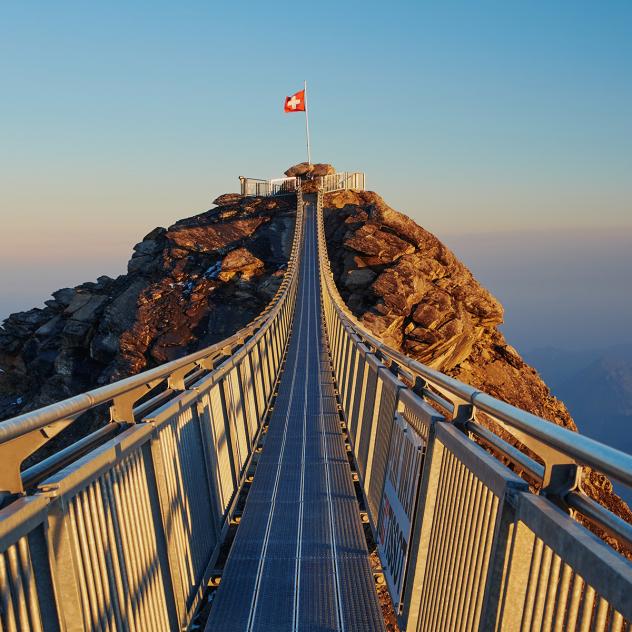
464, 541
122, 529
277, 186
280, 186
343, 180
126, 536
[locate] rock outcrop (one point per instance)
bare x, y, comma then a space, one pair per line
408, 289
306, 170
187, 286
310, 174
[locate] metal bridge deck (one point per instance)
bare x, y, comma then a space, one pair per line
299, 560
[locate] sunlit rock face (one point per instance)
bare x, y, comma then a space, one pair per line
410, 290
187, 286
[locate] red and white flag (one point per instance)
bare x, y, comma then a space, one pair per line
295, 103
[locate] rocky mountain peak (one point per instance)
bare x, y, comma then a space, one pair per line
186, 286
408, 288
203, 278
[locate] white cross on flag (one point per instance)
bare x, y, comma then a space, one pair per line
295, 103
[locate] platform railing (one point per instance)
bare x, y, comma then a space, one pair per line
276, 186
465, 542
333, 182
342, 180
126, 536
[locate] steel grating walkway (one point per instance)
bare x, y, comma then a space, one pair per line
299, 560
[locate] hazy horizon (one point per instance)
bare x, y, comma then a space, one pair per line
551, 283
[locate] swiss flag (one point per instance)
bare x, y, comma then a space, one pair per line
295, 103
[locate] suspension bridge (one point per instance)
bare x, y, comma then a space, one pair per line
236, 488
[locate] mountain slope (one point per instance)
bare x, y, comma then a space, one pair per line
187, 286
407, 288
206, 276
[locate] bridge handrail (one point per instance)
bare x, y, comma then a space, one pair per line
122, 529
464, 542
44, 423
584, 450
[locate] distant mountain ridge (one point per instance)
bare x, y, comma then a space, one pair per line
596, 385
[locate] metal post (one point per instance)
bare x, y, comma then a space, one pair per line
309, 155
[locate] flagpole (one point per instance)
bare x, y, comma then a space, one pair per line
309, 156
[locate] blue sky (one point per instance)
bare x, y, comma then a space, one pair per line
473, 118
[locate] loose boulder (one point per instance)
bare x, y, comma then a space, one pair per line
304, 170
228, 199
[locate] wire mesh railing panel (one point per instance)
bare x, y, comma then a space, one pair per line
276, 345
401, 482
352, 379
359, 395
343, 371
236, 419
264, 367
257, 376
462, 504
367, 422
221, 464
376, 468
456, 546
247, 380
419, 415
